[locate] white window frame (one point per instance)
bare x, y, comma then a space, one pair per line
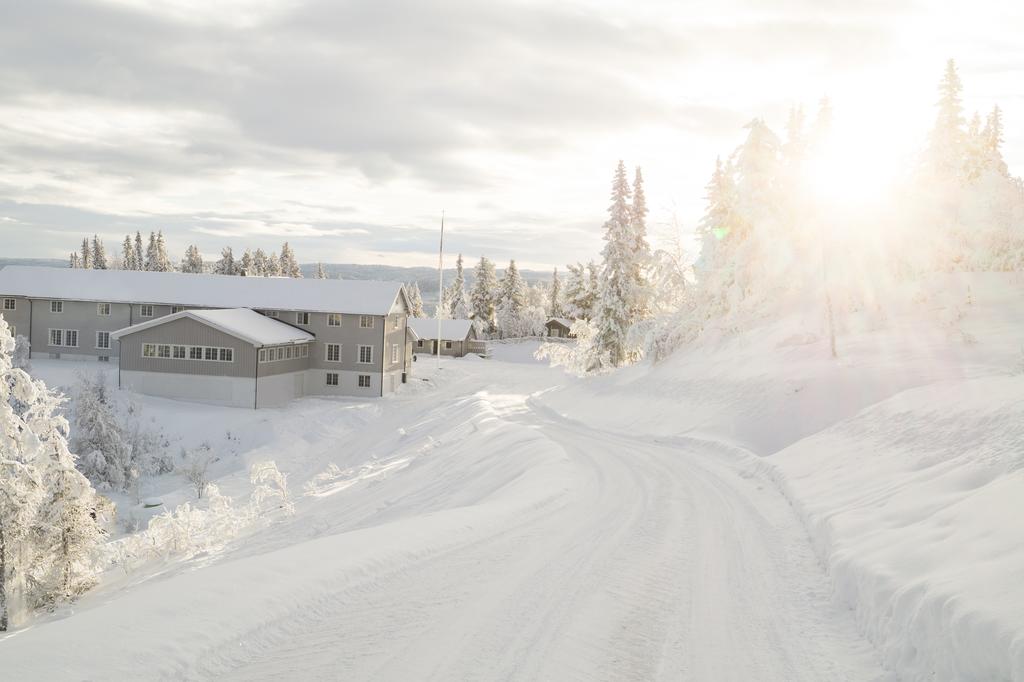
100, 307
177, 309
271, 313
302, 318
57, 307
366, 321
394, 353
448, 345
194, 353
263, 354
10, 304
174, 352
63, 338
327, 352
365, 362
336, 376
333, 319
98, 346
149, 347
368, 383
305, 350
143, 308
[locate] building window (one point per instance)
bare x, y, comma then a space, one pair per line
10, 304
177, 309
332, 378
305, 351
334, 319
419, 344
146, 311
56, 306
163, 351
149, 350
178, 352
103, 358
68, 338
366, 321
209, 353
263, 354
448, 345
270, 313
103, 339
333, 352
280, 353
102, 308
195, 353
364, 381
394, 352
398, 322
288, 353
365, 355
227, 355
301, 318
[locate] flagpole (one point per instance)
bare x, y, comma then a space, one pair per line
440, 288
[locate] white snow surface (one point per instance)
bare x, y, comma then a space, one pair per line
242, 323
451, 330
749, 509
360, 297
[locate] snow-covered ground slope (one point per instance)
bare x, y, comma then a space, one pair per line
905, 457
467, 531
749, 509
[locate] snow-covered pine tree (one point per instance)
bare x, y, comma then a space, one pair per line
105, 455
246, 267
289, 266
320, 272
99, 254
46, 525
74, 261
992, 142
226, 264
613, 317
193, 261
555, 296
152, 254
576, 293
273, 265
86, 254
128, 254
511, 302
163, 261
641, 262
719, 230
139, 261
482, 296
260, 264
415, 300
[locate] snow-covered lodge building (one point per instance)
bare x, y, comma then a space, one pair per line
245, 341
457, 337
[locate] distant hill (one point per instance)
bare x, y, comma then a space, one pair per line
425, 277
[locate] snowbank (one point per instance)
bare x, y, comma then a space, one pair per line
904, 457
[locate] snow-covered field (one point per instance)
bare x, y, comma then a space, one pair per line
750, 509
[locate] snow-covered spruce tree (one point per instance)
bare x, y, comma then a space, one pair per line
47, 530
74, 261
320, 272
140, 259
576, 293
86, 254
105, 454
947, 143
226, 264
22, 353
193, 261
246, 267
622, 291
260, 264
511, 301
457, 301
415, 300
273, 265
99, 254
289, 266
555, 296
483, 295
128, 254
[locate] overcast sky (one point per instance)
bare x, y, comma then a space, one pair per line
345, 127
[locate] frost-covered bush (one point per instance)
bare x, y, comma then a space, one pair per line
22, 354
195, 467
107, 458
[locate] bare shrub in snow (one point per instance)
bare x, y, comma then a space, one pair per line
196, 463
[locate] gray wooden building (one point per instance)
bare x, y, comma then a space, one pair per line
360, 345
456, 336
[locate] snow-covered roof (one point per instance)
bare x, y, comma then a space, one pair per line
242, 323
451, 330
564, 321
363, 297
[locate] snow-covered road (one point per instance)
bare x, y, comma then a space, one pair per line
515, 545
